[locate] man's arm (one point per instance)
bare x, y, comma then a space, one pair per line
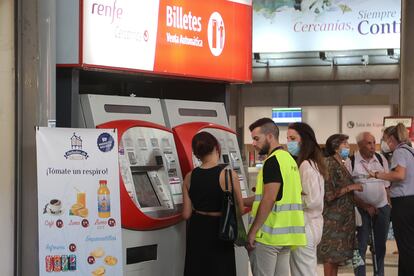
270, 191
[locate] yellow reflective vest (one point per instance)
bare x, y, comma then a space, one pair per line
285, 225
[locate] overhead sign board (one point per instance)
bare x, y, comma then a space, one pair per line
325, 25
200, 39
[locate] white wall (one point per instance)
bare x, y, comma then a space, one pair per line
356, 119
7, 136
323, 119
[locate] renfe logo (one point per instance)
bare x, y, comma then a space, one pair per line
176, 19
109, 11
216, 34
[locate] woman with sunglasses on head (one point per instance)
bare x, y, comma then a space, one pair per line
303, 146
338, 236
401, 176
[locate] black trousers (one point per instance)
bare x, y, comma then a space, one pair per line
402, 216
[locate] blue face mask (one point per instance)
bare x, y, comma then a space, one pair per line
344, 153
293, 148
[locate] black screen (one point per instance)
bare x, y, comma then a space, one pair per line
146, 195
225, 159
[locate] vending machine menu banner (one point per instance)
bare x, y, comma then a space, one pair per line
202, 39
78, 202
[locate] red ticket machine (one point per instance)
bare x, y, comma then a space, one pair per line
187, 118
153, 234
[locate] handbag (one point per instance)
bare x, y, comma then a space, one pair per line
231, 223
241, 239
228, 222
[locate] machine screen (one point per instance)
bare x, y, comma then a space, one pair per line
225, 159
146, 195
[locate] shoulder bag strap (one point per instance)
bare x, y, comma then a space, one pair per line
379, 157
231, 179
226, 181
408, 150
352, 162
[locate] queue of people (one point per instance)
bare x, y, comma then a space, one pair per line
307, 207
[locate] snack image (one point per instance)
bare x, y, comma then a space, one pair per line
98, 252
110, 260
100, 271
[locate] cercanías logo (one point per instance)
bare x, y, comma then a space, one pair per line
76, 153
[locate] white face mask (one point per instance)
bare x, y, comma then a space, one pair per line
384, 147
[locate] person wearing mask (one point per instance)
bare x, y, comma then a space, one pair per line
401, 175
372, 202
338, 237
276, 221
302, 144
203, 190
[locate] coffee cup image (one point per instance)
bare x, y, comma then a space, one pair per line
53, 207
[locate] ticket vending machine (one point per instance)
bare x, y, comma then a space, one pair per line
153, 234
187, 118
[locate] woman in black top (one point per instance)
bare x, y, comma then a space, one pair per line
203, 189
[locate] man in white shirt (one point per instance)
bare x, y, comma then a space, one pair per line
372, 202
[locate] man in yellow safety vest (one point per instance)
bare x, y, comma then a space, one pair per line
276, 222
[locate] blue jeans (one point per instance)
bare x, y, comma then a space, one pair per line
381, 223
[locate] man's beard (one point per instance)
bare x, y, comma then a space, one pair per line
265, 149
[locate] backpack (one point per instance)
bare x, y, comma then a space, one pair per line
379, 157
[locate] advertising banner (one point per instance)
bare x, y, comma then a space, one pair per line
78, 202
201, 39
325, 25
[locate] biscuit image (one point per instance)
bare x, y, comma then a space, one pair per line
100, 271
110, 260
98, 252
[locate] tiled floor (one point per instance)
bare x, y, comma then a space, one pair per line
391, 263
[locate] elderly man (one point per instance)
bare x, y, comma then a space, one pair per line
372, 202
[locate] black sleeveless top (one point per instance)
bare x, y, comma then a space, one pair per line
205, 191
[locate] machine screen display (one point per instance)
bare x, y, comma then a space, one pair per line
146, 195
225, 159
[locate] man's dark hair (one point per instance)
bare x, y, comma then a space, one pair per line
267, 126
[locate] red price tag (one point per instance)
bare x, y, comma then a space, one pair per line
91, 260
59, 223
72, 247
111, 222
85, 223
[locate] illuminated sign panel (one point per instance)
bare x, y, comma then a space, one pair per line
201, 39
325, 25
